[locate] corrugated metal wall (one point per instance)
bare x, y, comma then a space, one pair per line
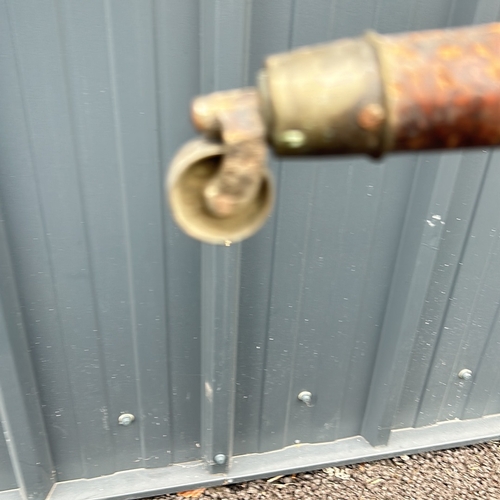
372, 285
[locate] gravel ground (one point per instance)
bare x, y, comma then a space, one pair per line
461, 473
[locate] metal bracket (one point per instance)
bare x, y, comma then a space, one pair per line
220, 188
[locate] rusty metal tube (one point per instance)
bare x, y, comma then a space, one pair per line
425, 90
370, 95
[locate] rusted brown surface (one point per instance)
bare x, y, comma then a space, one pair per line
233, 117
442, 87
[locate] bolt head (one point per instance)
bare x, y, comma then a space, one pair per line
126, 419
465, 374
293, 138
305, 397
220, 459
371, 117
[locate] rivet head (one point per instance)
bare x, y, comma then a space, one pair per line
305, 397
293, 138
126, 419
371, 117
220, 459
465, 374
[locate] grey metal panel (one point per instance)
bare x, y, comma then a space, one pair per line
132, 59
471, 313
353, 290
270, 28
21, 417
220, 287
29, 246
224, 64
7, 478
123, 242
466, 190
177, 24
93, 298
424, 225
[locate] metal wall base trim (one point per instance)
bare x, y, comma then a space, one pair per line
142, 483
10, 495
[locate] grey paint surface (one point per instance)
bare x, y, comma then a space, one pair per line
372, 284
20, 406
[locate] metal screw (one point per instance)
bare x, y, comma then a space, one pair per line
220, 459
465, 374
305, 397
126, 419
293, 138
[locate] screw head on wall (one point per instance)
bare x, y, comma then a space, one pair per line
220, 459
126, 419
465, 374
305, 397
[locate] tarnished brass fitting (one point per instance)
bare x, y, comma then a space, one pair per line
324, 99
220, 188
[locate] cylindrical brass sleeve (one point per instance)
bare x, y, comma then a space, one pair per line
425, 90
324, 99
